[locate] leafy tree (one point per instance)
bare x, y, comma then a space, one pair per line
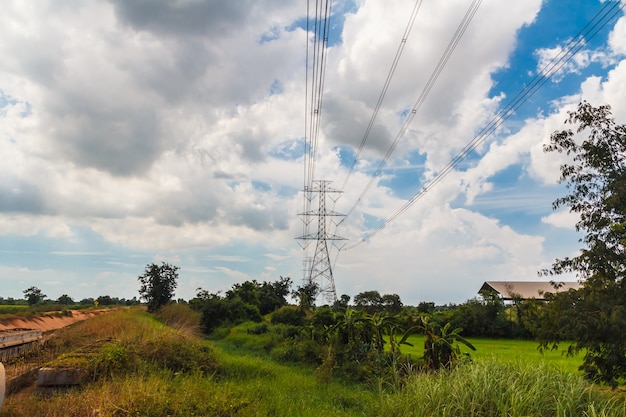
391, 303
440, 349
105, 300
246, 291
34, 296
249, 300
594, 317
342, 303
306, 294
213, 307
86, 301
369, 301
483, 317
158, 283
65, 300
426, 307
273, 295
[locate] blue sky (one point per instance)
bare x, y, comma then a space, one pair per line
134, 133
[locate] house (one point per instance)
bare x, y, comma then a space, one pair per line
509, 290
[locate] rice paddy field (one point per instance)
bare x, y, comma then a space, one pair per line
509, 350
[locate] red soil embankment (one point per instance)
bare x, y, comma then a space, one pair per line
48, 322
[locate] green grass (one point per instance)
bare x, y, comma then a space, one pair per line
12, 309
508, 350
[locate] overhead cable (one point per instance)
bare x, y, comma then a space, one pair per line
458, 34
390, 74
609, 11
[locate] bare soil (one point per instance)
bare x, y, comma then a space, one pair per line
49, 321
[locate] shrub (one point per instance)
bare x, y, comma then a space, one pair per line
289, 315
179, 353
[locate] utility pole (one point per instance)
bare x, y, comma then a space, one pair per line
319, 269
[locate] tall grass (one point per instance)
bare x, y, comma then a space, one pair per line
181, 317
495, 388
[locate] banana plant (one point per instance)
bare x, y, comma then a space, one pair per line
440, 343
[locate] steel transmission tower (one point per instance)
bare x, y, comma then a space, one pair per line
319, 269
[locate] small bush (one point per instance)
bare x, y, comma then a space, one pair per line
179, 354
113, 358
289, 315
258, 329
303, 351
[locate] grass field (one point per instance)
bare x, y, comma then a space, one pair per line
511, 350
8, 310
12, 308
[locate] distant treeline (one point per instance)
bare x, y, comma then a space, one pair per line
104, 300
484, 316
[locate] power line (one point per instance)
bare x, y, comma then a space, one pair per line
390, 75
609, 11
320, 41
443, 60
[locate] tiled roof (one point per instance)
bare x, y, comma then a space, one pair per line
526, 289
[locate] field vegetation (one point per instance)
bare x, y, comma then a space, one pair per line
137, 365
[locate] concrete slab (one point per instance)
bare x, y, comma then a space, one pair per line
52, 377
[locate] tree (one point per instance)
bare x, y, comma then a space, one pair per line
273, 295
342, 303
594, 317
391, 303
158, 284
306, 294
65, 300
368, 301
34, 296
105, 300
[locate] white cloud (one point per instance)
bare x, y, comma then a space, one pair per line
175, 131
564, 219
236, 276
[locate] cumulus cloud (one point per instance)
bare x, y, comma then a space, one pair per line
176, 129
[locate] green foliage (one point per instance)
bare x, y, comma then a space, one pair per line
111, 359
34, 296
158, 283
247, 301
306, 294
289, 315
65, 300
495, 388
481, 317
250, 382
440, 347
12, 309
179, 354
594, 317
372, 302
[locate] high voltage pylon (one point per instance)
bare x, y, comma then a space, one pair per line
319, 269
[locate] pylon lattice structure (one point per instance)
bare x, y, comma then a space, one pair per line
319, 269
